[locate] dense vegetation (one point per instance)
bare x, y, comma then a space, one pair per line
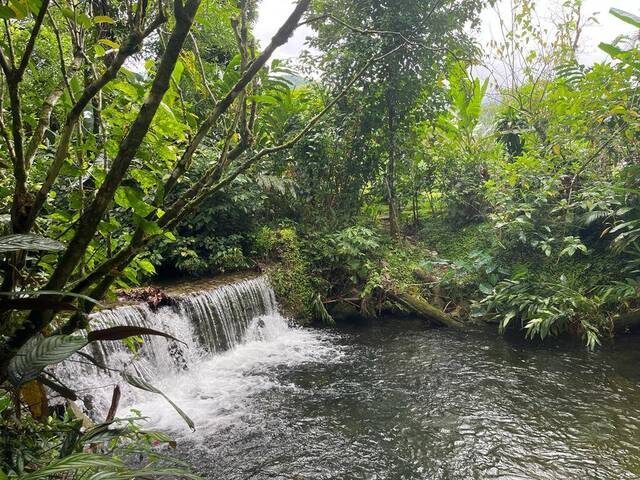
150, 139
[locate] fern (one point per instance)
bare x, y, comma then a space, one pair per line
572, 73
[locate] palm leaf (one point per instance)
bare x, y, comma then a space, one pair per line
57, 293
144, 473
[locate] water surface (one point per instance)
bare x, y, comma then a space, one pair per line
396, 400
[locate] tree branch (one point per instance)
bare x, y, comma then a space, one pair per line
90, 220
130, 47
32, 39
109, 270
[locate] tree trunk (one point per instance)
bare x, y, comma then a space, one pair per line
420, 307
391, 167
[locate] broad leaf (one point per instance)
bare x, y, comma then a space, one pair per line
35, 397
6, 13
17, 242
103, 19
610, 49
627, 17
40, 352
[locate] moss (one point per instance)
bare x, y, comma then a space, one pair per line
290, 276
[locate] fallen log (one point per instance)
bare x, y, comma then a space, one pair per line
419, 306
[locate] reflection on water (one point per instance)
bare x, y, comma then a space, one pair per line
397, 401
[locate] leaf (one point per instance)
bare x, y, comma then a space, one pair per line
21, 10
38, 353
109, 43
144, 385
74, 462
5, 402
35, 397
34, 6
103, 19
125, 331
83, 20
102, 433
6, 13
147, 266
65, 392
610, 49
31, 242
150, 228
128, 197
59, 293
24, 304
627, 17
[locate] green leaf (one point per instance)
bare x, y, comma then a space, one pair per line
102, 433
144, 385
5, 402
6, 13
20, 9
610, 49
149, 227
74, 462
147, 266
145, 179
34, 6
39, 352
627, 17
109, 43
17, 242
128, 197
103, 19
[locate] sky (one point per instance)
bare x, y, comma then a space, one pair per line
272, 14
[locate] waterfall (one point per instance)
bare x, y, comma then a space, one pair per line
233, 345
222, 315
206, 323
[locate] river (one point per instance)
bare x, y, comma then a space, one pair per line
397, 400
392, 399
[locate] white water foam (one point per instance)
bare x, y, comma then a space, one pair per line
216, 392
234, 343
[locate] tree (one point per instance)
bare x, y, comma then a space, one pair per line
117, 167
405, 86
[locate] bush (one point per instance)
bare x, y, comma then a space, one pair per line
66, 445
346, 257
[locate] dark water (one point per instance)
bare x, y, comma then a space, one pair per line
406, 402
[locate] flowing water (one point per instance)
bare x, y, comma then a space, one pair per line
391, 400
